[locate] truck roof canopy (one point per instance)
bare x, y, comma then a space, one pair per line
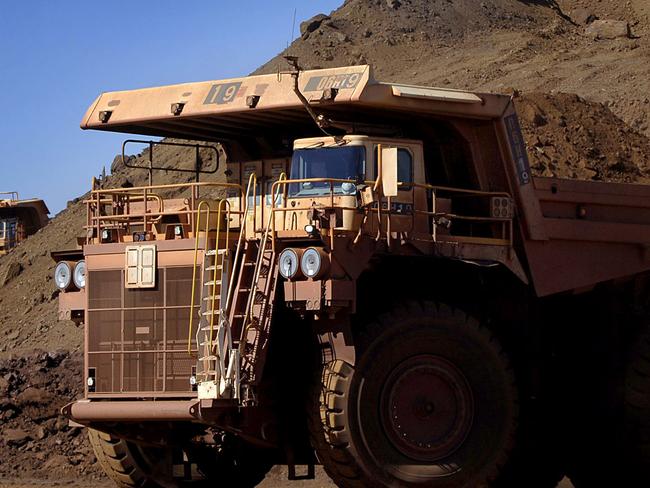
244, 108
37, 204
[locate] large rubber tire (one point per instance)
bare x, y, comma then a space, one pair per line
431, 402
117, 461
637, 411
130, 465
622, 458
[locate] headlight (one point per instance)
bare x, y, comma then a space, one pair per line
289, 263
313, 263
79, 275
349, 188
63, 275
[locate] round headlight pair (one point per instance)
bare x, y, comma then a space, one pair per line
313, 263
67, 273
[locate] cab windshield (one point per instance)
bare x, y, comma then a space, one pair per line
344, 163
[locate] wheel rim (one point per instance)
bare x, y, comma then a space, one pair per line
427, 408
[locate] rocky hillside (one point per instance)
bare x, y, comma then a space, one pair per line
597, 50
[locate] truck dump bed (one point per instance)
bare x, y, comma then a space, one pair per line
594, 231
570, 234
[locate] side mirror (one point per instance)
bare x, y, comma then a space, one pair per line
388, 165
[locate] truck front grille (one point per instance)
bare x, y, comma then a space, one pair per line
137, 338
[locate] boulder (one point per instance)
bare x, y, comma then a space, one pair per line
41, 433
340, 37
56, 461
583, 16
312, 24
11, 271
16, 437
608, 29
33, 396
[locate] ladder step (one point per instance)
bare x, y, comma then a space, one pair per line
209, 299
244, 290
209, 312
214, 252
212, 268
212, 283
207, 329
208, 358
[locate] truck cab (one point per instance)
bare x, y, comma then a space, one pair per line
8, 237
19, 218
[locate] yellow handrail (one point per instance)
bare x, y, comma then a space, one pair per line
216, 260
196, 254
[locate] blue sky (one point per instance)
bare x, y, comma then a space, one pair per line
56, 57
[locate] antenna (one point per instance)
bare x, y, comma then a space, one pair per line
293, 27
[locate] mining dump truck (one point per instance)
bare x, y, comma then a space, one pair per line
371, 280
19, 219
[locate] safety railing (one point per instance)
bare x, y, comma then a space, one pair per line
268, 230
13, 195
177, 168
251, 191
382, 207
332, 194
130, 208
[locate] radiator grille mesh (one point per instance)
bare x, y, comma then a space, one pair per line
137, 338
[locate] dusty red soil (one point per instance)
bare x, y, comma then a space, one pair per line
36, 440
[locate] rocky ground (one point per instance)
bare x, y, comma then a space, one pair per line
36, 439
579, 73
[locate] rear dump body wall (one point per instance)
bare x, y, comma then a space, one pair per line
136, 339
594, 232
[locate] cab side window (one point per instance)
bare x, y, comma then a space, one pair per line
404, 168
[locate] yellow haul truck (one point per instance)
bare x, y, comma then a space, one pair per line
376, 284
19, 219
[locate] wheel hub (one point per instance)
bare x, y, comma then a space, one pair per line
427, 408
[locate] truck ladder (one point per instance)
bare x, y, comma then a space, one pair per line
238, 292
217, 370
217, 376
255, 332
252, 310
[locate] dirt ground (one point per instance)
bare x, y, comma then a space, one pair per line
277, 478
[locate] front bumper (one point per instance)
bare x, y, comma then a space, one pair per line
87, 411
